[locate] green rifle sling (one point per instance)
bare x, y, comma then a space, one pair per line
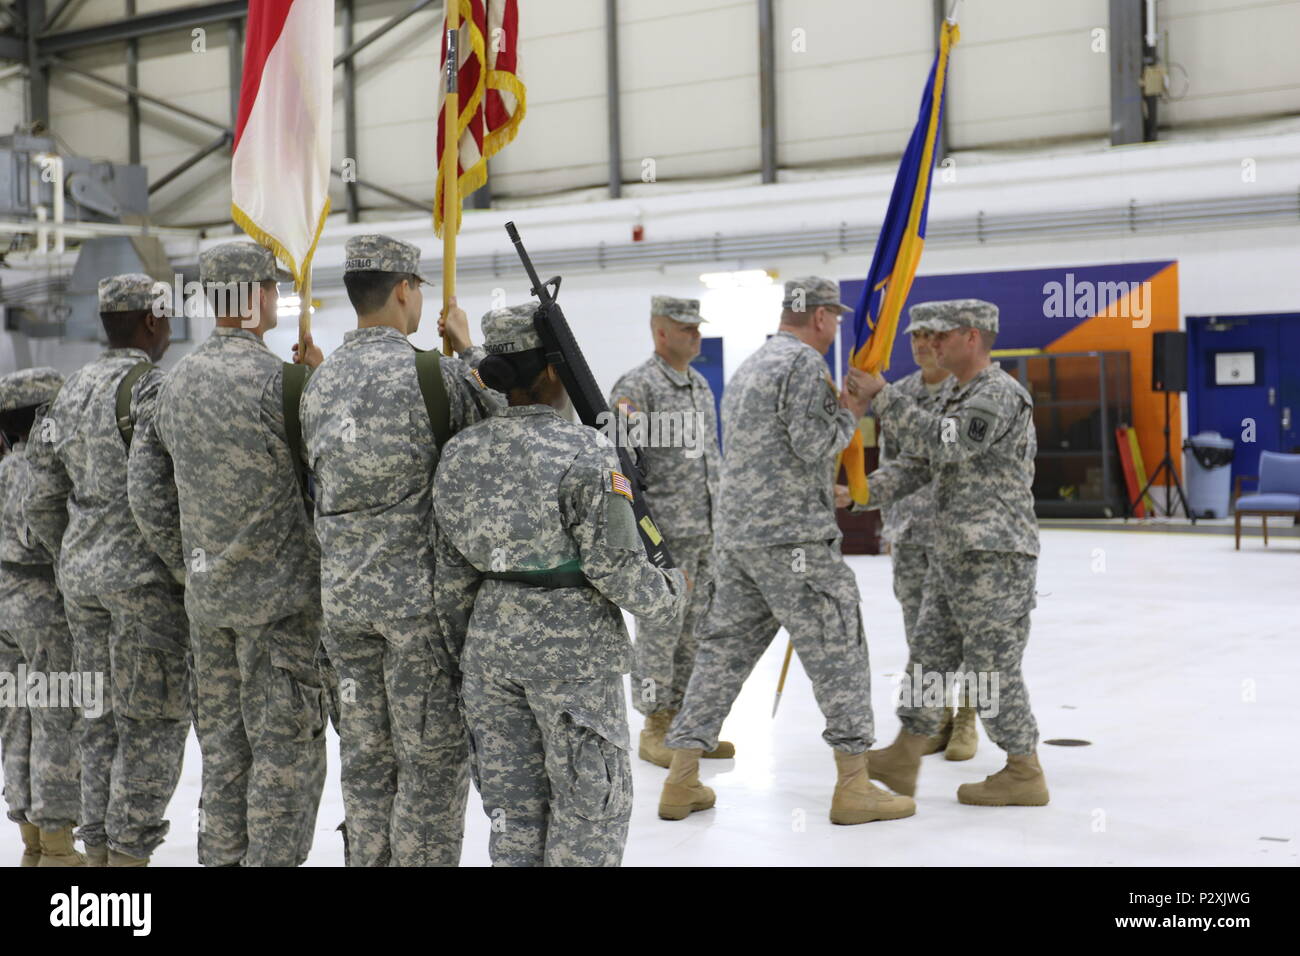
428, 369
295, 380
122, 408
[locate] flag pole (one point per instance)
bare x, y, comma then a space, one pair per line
450, 164
304, 314
785, 669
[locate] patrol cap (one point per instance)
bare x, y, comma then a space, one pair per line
951, 314
679, 310
240, 262
813, 291
510, 330
131, 292
915, 325
29, 387
376, 253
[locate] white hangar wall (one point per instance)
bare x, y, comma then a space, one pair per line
847, 77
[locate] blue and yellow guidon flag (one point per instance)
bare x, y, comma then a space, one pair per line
898, 250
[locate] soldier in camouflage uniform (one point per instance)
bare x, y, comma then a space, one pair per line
779, 562
372, 449
40, 738
976, 448
125, 609
666, 409
907, 529
537, 549
214, 489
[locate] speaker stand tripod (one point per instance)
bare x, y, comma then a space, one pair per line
1166, 465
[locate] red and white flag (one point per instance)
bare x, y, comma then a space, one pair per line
280, 170
492, 95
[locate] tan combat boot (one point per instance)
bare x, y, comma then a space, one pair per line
1020, 783
57, 849
965, 735
97, 854
125, 859
939, 741
31, 844
652, 747
897, 765
858, 800
683, 794
725, 750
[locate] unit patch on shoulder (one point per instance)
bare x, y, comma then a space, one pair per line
619, 484
977, 429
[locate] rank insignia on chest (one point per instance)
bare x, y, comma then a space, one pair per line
619, 484
977, 429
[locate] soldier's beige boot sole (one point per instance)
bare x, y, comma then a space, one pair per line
971, 795
854, 817
678, 803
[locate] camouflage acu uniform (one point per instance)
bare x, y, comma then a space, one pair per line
214, 490
42, 762
778, 558
372, 450
517, 494
907, 523
125, 610
975, 450
682, 470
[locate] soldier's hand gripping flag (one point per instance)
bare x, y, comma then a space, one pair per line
898, 250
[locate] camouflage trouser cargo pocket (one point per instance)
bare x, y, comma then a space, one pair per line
592, 748
837, 605
992, 585
297, 691
151, 677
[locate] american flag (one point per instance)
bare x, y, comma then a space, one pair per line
619, 483
492, 95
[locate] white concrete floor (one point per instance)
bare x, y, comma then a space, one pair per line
1169, 652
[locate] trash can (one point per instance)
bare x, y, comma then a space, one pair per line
1207, 463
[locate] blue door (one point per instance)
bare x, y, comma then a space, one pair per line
709, 364
1243, 381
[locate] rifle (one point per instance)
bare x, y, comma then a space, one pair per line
563, 352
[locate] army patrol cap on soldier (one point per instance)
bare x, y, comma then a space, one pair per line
915, 324
29, 387
816, 290
240, 262
377, 253
130, 292
951, 314
510, 330
679, 310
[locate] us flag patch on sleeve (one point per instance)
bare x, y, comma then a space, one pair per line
618, 483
